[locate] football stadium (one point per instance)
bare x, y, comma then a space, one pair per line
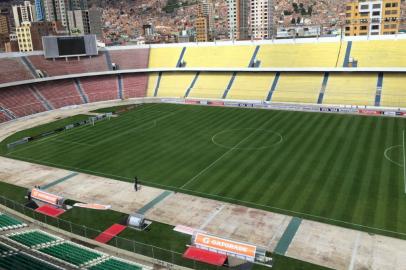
282, 154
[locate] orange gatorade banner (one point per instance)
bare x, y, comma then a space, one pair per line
93, 206
225, 245
45, 197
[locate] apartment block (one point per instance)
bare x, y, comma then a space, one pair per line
372, 17
238, 19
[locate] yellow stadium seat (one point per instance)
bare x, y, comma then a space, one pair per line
164, 57
341, 55
299, 55
251, 86
210, 85
298, 87
379, 53
175, 84
152, 80
394, 90
219, 56
351, 89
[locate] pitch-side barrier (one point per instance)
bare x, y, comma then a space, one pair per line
347, 109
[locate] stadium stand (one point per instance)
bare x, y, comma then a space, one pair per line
115, 264
164, 57
219, 56
250, 86
379, 53
20, 100
72, 66
175, 84
323, 54
4, 117
4, 250
60, 93
72, 253
210, 85
32, 238
22, 261
152, 82
130, 59
134, 85
13, 69
100, 88
10, 223
394, 90
298, 87
351, 89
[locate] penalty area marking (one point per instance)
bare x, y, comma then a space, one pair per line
387, 150
213, 139
221, 198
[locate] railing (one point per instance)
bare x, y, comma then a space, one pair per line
163, 256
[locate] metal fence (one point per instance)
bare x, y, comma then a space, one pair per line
164, 256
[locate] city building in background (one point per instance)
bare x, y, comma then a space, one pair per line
202, 29
23, 13
29, 34
261, 14
148, 30
298, 31
378, 17
56, 10
39, 10
4, 25
206, 9
238, 19
204, 23
24, 37
4, 32
79, 21
156, 21
95, 22
77, 4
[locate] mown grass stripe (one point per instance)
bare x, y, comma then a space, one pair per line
329, 167
321, 140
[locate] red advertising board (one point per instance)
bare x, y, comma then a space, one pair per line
191, 101
216, 103
368, 112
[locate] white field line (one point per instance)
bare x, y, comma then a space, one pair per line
135, 128
223, 155
40, 141
43, 140
354, 251
213, 139
61, 135
221, 198
404, 161
96, 144
387, 150
211, 217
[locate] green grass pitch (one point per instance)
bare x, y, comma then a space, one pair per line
341, 169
